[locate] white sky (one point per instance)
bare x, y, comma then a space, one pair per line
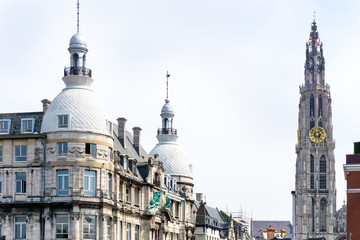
235, 66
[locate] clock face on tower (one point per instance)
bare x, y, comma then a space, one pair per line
317, 134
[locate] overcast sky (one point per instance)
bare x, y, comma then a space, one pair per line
235, 66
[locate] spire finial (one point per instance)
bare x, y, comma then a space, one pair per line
314, 15
78, 6
167, 85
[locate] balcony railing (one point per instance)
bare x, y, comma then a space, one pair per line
81, 71
171, 131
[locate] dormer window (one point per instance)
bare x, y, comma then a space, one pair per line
5, 126
63, 121
27, 125
109, 127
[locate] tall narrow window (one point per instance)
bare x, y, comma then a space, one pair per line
312, 170
89, 227
120, 230
5, 126
20, 227
90, 149
20, 183
110, 184
322, 172
1, 227
128, 232
312, 124
63, 121
20, 153
0, 186
137, 196
312, 106
27, 125
62, 149
62, 226
137, 232
128, 194
322, 219
320, 110
1, 154
76, 60
62, 182
109, 231
89, 183
313, 207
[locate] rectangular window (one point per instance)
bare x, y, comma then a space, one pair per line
20, 183
128, 232
89, 227
5, 126
63, 121
27, 125
20, 227
110, 184
62, 149
322, 181
128, 194
90, 149
177, 209
109, 232
120, 231
89, 183
137, 196
62, 226
62, 182
20, 153
1, 154
137, 232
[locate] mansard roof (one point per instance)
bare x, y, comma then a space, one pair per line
15, 125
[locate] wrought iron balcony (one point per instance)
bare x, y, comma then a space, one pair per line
81, 71
170, 131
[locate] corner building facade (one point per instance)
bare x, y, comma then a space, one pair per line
315, 195
70, 173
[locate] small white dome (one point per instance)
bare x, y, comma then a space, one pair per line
78, 41
84, 109
167, 110
173, 158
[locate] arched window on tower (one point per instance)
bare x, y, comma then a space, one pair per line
312, 124
312, 106
322, 172
84, 61
75, 60
322, 217
320, 124
320, 110
313, 207
312, 170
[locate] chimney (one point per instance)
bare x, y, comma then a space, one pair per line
270, 233
122, 131
46, 104
136, 141
199, 197
283, 233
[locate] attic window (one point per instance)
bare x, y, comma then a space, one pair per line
63, 121
27, 125
5, 126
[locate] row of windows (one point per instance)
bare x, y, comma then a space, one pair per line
312, 106
20, 153
322, 164
27, 125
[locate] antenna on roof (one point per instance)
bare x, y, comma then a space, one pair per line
78, 6
314, 15
167, 84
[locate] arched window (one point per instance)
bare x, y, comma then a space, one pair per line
156, 179
84, 61
322, 172
320, 112
322, 219
313, 207
320, 124
312, 170
75, 60
312, 106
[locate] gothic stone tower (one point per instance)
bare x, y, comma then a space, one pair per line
315, 195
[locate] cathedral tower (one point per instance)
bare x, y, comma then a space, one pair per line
315, 195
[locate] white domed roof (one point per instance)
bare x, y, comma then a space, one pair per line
167, 109
78, 40
85, 111
173, 158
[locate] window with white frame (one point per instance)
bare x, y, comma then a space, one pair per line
89, 183
20, 227
20, 183
62, 226
89, 227
1, 153
27, 125
5, 126
62, 149
63, 121
20, 153
128, 232
62, 182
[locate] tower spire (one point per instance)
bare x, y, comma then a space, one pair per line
167, 85
78, 21
314, 15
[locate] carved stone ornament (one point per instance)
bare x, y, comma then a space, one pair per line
75, 216
77, 150
51, 150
